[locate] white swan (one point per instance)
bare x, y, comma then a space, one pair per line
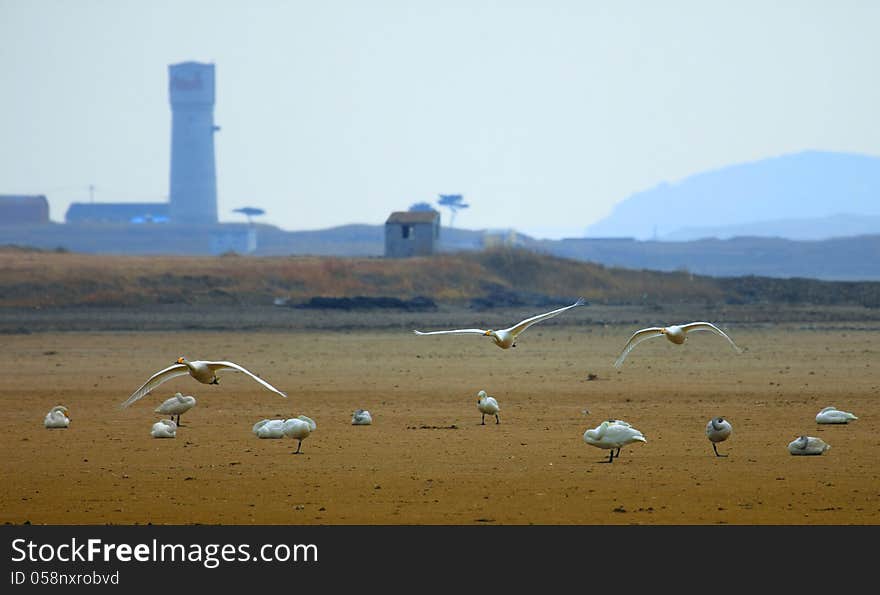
487, 404
269, 428
613, 435
676, 334
807, 445
57, 417
176, 405
299, 427
164, 428
203, 371
832, 415
619, 422
361, 417
505, 338
718, 430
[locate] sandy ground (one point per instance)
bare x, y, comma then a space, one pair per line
426, 459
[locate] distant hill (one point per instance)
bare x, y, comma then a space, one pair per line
485, 279
837, 259
820, 228
842, 259
807, 185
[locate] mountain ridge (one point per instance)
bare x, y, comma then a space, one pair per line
809, 184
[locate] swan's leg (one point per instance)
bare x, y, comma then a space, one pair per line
497, 421
215, 380
611, 456
717, 454
483, 419
298, 446
618, 453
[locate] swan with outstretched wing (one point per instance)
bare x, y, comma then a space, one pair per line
676, 334
203, 371
506, 338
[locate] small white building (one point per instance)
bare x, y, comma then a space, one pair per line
496, 238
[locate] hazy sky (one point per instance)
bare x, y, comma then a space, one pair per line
542, 113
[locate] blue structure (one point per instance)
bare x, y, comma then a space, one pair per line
122, 212
193, 196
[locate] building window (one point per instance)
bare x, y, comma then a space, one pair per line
406, 232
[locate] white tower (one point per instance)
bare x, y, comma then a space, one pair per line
193, 196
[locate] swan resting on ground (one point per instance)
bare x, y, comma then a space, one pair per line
176, 405
613, 435
164, 428
57, 417
676, 334
361, 417
269, 428
203, 371
299, 427
808, 445
832, 415
718, 430
487, 404
506, 338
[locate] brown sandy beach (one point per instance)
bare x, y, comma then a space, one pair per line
426, 459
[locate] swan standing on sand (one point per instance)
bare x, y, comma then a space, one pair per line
361, 417
718, 430
676, 334
506, 338
203, 371
176, 405
808, 445
611, 421
57, 417
487, 404
832, 415
619, 422
299, 427
269, 428
613, 435
164, 428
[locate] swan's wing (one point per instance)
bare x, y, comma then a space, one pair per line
521, 326
155, 380
708, 326
636, 338
461, 331
220, 366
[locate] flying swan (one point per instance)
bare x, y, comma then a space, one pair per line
57, 417
506, 338
203, 371
676, 334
